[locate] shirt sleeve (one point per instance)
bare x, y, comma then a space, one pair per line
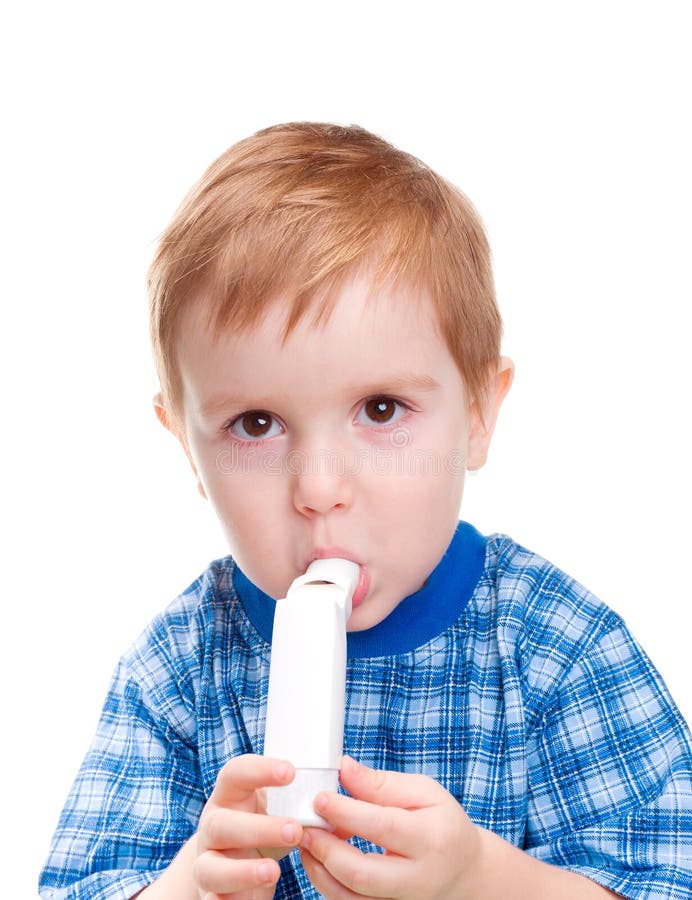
136, 800
610, 775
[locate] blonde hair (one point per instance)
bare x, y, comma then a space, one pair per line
292, 211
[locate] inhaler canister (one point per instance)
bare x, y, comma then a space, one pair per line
307, 686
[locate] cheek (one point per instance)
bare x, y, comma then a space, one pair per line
242, 500
421, 473
249, 510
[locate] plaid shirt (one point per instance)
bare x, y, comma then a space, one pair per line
502, 678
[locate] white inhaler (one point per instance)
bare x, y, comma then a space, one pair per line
307, 686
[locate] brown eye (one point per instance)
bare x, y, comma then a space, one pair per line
381, 409
254, 425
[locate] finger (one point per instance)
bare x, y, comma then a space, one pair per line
325, 883
226, 829
216, 873
402, 789
243, 775
330, 861
394, 829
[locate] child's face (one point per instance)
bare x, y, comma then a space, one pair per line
351, 439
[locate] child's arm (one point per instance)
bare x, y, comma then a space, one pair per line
236, 846
139, 800
433, 850
608, 789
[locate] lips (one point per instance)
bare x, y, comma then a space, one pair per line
363, 585
362, 588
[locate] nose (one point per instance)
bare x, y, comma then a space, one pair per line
321, 483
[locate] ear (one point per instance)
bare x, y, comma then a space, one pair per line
169, 423
481, 428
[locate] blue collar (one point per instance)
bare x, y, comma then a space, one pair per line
416, 620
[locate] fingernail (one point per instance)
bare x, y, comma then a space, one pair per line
306, 840
289, 833
265, 872
282, 770
320, 803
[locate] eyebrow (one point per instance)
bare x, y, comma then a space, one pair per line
385, 385
405, 382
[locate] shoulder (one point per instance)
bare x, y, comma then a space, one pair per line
546, 620
534, 592
183, 627
167, 662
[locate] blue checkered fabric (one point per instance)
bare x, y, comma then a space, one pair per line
535, 708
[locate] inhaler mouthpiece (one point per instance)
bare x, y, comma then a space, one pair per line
307, 685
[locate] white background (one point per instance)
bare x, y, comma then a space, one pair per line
568, 126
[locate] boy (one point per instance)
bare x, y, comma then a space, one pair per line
328, 344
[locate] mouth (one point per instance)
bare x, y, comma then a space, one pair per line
363, 585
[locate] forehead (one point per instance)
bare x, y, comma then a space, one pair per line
386, 341
360, 315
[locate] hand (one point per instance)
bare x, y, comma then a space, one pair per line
431, 846
235, 836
